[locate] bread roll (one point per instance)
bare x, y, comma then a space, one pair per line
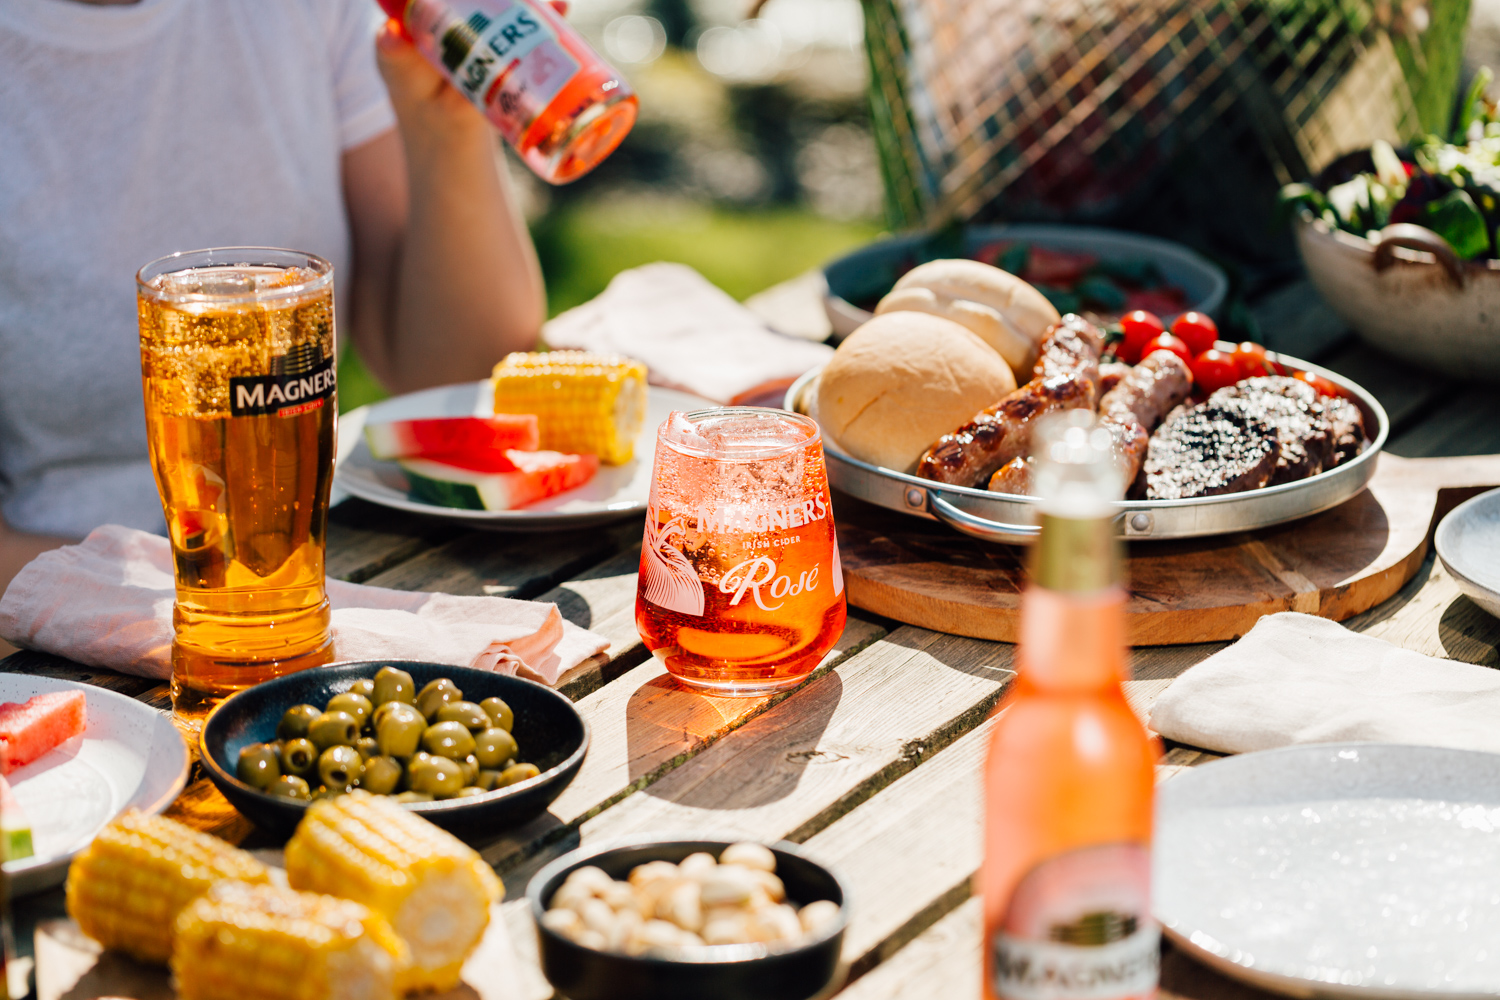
1006, 312
902, 381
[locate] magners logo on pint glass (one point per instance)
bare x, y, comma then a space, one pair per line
237, 366
740, 589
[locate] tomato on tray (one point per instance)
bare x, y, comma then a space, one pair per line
1167, 342
1214, 370
1198, 331
1253, 360
1318, 382
1140, 327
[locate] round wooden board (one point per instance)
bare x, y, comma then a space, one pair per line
1335, 564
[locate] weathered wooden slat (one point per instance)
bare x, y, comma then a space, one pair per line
365, 539
642, 726
27, 661
509, 564
1466, 423
945, 961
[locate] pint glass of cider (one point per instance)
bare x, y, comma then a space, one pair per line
237, 365
740, 590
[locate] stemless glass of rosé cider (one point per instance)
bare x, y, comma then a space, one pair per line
740, 590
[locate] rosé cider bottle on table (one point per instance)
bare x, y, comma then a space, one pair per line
740, 592
1066, 879
561, 107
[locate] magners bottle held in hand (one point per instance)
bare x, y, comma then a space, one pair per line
1066, 879
558, 104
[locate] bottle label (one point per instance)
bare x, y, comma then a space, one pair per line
503, 55
1079, 927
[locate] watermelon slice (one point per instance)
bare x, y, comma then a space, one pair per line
15, 828
44, 722
452, 436
494, 481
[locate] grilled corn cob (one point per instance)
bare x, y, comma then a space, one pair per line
262, 942
435, 891
126, 888
590, 404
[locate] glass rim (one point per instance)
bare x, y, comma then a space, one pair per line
212, 257
759, 413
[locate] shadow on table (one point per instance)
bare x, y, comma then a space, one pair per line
1468, 633
762, 763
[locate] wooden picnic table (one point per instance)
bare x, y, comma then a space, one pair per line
874, 763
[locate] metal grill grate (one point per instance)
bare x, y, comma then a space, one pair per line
1070, 108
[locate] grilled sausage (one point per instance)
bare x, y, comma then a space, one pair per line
1133, 408
1071, 347
971, 454
1013, 477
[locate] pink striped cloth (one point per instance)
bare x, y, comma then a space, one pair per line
107, 602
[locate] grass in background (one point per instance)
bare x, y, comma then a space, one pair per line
583, 246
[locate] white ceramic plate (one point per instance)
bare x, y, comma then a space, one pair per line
1468, 542
1363, 870
616, 491
130, 755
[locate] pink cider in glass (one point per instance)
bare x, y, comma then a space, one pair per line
740, 592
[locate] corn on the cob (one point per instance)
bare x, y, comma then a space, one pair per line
126, 888
591, 404
435, 891
262, 942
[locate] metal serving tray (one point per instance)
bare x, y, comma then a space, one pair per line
1005, 517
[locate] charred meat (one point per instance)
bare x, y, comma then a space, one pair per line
1216, 447
1304, 432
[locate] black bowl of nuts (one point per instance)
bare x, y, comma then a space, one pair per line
688, 919
470, 750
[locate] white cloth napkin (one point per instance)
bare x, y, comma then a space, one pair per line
107, 602
691, 335
1295, 678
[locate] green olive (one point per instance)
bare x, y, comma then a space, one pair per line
414, 797
356, 705
448, 739
340, 767
435, 695
381, 711
471, 715
487, 779
470, 765
517, 773
367, 747
499, 713
437, 776
381, 776
365, 687
289, 786
297, 720
258, 766
494, 747
400, 730
298, 757
466, 791
333, 729
394, 685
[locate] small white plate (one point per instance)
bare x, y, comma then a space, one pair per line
1365, 870
1468, 543
616, 491
129, 755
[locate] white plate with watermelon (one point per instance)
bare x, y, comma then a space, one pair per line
615, 491
128, 755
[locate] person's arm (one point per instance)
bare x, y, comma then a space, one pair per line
16, 550
446, 281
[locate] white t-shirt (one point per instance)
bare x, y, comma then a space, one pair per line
127, 133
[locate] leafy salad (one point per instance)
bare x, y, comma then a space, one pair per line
1452, 188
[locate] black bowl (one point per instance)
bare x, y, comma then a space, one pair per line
793, 973
551, 733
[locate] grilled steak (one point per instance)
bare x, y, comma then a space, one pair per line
1219, 446
1303, 431
1348, 431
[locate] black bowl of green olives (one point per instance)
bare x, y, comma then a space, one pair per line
470, 750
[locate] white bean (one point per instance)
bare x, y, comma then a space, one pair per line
749, 855
728, 885
777, 922
597, 916
770, 884
620, 896
727, 927
564, 922
590, 877
697, 866
683, 906
652, 871
816, 918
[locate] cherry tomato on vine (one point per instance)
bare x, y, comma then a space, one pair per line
1214, 370
1254, 360
1196, 330
1318, 382
1139, 327
1167, 342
